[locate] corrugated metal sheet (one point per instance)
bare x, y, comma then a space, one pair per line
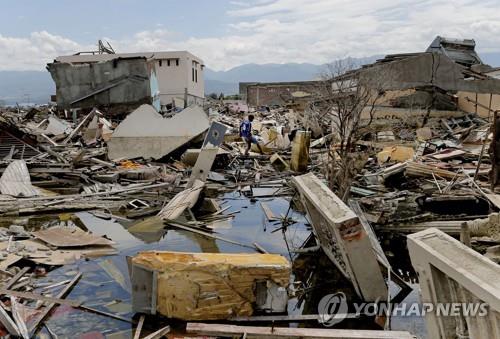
16, 181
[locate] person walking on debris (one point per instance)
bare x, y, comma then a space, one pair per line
246, 134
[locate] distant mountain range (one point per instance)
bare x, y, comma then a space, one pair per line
227, 81
26, 87
37, 86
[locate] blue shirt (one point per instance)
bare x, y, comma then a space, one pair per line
246, 129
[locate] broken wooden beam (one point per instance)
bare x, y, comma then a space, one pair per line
206, 234
49, 308
272, 332
182, 200
158, 334
34, 296
268, 212
138, 329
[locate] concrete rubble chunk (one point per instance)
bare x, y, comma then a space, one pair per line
205, 160
342, 237
182, 201
57, 126
146, 133
206, 286
454, 273
16, 181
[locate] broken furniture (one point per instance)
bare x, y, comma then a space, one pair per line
208, 286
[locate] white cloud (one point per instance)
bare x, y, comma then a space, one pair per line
35, 51
279, 31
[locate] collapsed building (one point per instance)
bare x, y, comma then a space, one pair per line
163, 79
275, 93
116, 215
447, 79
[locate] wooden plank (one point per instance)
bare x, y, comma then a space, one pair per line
9, 260
286, 332
268, 212
158, 334
106, 314
289, 317
33, 296
181, 201
49, 308
80, 125
494, 199
260, 248
186, 228
16, 310
65, 237
16, 278
138, 329
8, 323
87, 195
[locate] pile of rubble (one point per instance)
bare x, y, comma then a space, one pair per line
153, 172
428, 175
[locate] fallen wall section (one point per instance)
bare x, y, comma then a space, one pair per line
450, 272
146, 133
342, 237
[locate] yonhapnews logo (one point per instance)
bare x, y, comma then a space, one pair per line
333, 308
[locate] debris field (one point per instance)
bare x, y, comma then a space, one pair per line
144, 219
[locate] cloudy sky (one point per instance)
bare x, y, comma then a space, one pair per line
228, 33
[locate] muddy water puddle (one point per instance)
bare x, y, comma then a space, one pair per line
105, 284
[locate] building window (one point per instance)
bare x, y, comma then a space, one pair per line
176, 62
193, 65
159, 62
194, 71
168, 62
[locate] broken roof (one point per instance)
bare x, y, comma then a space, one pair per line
461, 51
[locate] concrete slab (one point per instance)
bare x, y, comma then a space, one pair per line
213, 139
342, 237
146, 133
451, 272
16, 181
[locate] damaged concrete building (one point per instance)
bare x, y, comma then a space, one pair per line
121, 81
163, 79
447, 79
275, 93
166, 219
